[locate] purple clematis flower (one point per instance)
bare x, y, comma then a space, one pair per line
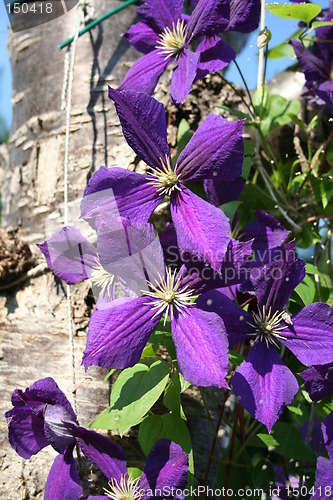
214, 151
118, 334
319, 381
42, 416
323, 487
165, 36
262, 383
317, 66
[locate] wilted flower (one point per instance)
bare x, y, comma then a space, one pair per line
42, 416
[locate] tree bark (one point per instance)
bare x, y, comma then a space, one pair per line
33, 314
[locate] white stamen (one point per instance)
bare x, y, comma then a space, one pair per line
267, 326
172, 41
102, 278
164, 179
169, 295
126, 489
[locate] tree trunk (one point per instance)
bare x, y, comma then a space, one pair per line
33, 314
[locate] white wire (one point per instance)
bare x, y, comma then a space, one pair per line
68, 89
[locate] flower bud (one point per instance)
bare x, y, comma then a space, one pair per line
263, 38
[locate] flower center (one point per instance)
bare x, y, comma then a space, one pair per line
268, 326
172, 41
126, 489
102, 278
169, 294
164, 179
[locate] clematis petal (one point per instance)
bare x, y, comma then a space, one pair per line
264, 385
327, 429
202, 347
26, 431
324, 93
56, 431
235, 319
143, 123
244, 15
310, 337
69, 255
42, 391
101, 451
313, 68
319, 381
26, 422
275, 281
160, 13
267, 233
324, 479
183, 75
63, 482
166, 467
120, 192
220, 191
142, 37
209, 17
145, 73
202, 229
118, 334
215, 55
215, 151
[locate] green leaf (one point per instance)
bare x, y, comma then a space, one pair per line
325, 406
260, 100
297, 120
104, 421
135, 472
111, 372
263, 474
249, 147
284, 49
278, 112
322, 188
168, 426
285, 440
306, 290
319, 24
229, 209
184, 134
281, 50
236, 358
234, 112
307, 237
296, 410
148, 352
172, 396
301, 12
246, 167
135, 391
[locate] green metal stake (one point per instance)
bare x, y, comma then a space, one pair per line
96, 22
